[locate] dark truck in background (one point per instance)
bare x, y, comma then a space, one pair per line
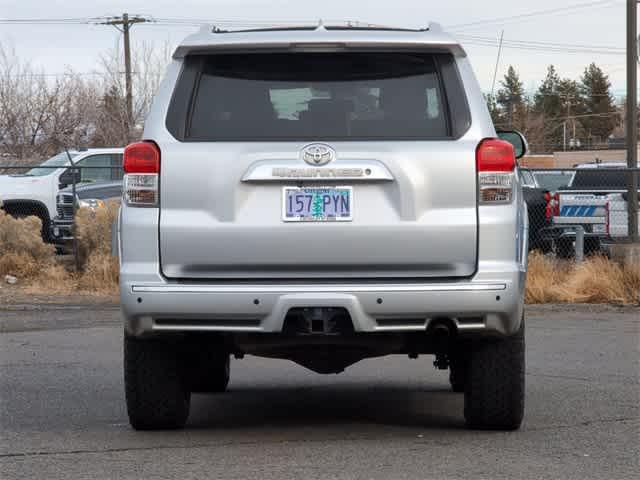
92, 196
535, 196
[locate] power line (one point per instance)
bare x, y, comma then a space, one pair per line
547, 44
543, 50
58, 74
32, 21
538, 13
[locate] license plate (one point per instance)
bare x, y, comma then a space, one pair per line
599, 228
317, 204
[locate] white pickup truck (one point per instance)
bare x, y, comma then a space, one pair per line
34, 193
594, 200
617, 221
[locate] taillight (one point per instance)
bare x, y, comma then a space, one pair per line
141, 166
548, 211
495, 162
553, 205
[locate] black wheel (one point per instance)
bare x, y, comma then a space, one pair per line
207, 367
156, 395
494, 393
592, 246
564, 248
458, 372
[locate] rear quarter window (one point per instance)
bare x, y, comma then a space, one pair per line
311, 96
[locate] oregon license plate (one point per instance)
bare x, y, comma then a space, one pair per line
317, 204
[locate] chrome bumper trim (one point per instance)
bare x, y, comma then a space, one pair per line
340, 288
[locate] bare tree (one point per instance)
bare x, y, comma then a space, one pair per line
40, 115
148, 65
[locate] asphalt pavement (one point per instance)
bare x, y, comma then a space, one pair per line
62, 412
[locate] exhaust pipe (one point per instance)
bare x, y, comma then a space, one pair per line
441, 328
441, 331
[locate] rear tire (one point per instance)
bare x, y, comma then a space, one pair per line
494, 393
592, 246
458, 372
155, 392
207, 367
564, 248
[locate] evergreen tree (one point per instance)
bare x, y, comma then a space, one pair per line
493, 108
547, 99
595, 88
548, 107
512, 101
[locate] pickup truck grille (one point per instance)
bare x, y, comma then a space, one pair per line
64, 206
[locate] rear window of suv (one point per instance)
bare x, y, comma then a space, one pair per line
311, 96
593, 178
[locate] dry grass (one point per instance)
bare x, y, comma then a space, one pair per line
93, 228
546, 275
596, 280
24, 255
599, 280
22, 252
99, 268
100, 275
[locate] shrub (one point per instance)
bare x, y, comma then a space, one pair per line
596, 280
99, 268
23, 253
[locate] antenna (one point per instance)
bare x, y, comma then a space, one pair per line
495, 72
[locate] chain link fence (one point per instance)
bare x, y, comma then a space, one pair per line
56, 193
572, 212
578, 211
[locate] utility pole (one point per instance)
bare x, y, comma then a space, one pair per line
632, 117
124, 24
569, 99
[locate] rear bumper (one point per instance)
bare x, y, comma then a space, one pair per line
489, 303
560, 232
489, 306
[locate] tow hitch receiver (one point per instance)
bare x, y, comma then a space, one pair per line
318, 321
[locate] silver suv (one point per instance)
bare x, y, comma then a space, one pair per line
323, 195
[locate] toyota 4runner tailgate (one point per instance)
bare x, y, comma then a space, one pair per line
316, 165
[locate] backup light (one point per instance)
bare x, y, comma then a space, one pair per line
142, 166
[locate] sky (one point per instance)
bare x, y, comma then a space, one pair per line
597, 27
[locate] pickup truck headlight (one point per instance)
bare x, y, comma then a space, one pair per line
91, 203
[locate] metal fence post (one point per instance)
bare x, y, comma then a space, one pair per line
76, 256
632, 118
74, 241
579, 246
632, 206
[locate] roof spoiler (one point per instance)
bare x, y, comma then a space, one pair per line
211, 39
